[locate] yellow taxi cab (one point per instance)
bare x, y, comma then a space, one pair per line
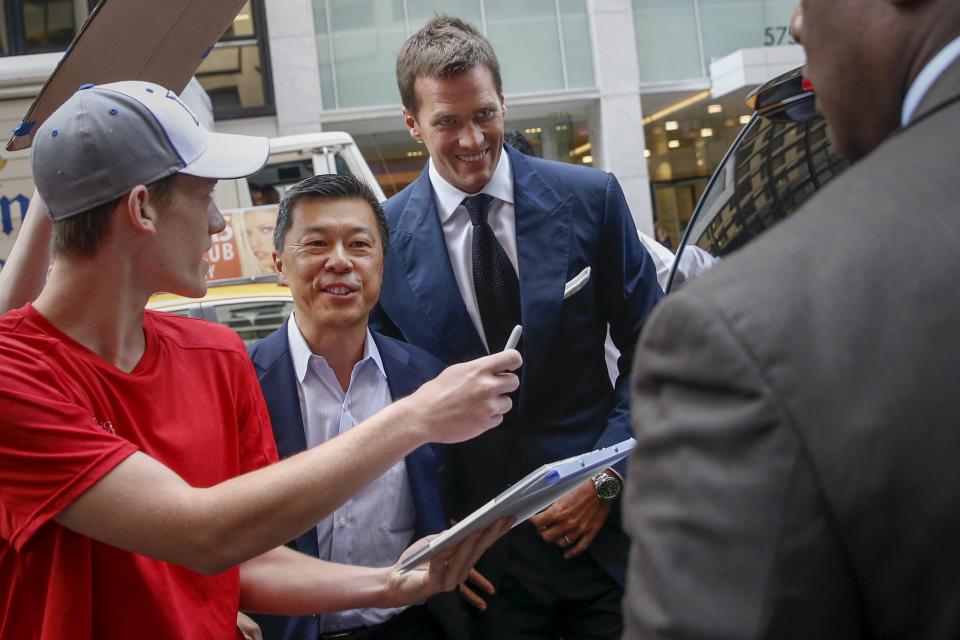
253, 307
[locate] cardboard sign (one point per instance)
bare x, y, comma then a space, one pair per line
162, 42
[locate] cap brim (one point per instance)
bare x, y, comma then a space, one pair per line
230, 156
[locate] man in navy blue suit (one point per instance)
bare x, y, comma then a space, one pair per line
487, 238
324, 372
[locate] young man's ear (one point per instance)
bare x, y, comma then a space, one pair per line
141, 210
412, 126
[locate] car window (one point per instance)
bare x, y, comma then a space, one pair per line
188, 311
181, 312
343, 168
774, 167
253, 319
269, 184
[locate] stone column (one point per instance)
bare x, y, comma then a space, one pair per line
293, 60
615, 120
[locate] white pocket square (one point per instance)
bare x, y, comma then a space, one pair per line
578, 282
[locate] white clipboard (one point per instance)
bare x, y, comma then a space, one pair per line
536, 491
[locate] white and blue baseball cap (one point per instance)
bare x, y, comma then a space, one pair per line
106, 139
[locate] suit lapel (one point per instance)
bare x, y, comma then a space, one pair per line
419, 248
421, 463
543, 248
278, 381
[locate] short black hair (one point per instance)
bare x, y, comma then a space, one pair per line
329, 186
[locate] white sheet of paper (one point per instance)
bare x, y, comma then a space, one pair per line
536, 491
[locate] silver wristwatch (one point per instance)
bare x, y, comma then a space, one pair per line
608, 486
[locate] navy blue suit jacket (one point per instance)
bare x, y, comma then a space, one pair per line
568, 217
407, 368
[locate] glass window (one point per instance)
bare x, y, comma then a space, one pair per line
396, 159
729, 25
324, 55
667, 46
186, 312
269, 184
527, 43
358, 40
49, 25
40, 26
684, 146
341, 164
235, 73
419, 11
666, 30
366, 37
774, 169
578, 51
255, 319
776, 21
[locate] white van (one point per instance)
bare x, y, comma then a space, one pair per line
293, 158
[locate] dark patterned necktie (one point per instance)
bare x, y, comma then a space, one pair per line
494, 279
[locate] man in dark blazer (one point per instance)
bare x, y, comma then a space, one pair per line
487, 238
330, 239
797, 407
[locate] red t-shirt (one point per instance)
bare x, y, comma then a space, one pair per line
67, 417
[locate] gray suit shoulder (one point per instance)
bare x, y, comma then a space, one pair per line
889, 219
834, 337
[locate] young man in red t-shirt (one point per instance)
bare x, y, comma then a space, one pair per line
137, 494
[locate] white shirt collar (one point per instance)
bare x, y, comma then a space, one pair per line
933, 69
449, 197
300, 351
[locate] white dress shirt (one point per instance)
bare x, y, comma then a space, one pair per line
927, 76
458, 230
375, 526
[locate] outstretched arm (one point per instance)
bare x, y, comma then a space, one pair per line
283, 581
144, 507
23, 276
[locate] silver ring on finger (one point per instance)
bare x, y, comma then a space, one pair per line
566, 541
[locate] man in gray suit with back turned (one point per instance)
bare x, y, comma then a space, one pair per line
797, 409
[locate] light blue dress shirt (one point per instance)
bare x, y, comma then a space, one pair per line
927, 76
375, 526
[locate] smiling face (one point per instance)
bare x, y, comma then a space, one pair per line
332, 260
259, 226
186, 219
460, 120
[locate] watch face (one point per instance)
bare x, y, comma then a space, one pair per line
608, 487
